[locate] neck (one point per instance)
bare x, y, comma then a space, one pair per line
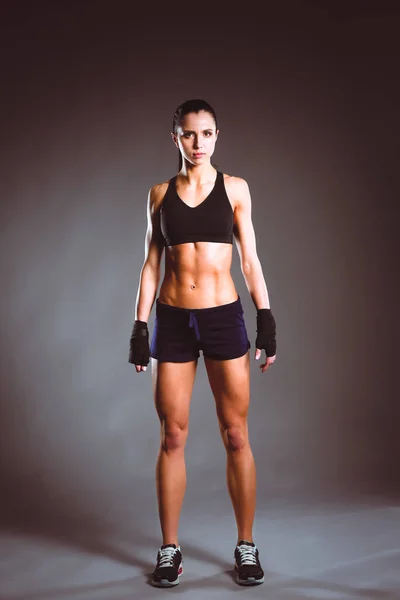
197, 173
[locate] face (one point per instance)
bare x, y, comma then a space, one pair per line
196, 137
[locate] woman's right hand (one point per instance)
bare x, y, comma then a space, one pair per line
139, 350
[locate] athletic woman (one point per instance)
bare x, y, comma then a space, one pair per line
195, 216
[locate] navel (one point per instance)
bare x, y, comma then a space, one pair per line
192, 286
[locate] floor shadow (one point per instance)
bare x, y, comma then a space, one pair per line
283, 590
35, 515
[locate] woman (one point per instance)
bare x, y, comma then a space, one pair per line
195, 216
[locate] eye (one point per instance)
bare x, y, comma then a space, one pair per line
208, 133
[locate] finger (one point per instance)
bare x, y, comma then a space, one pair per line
257, 353
270, 361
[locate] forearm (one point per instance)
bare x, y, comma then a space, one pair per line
255, 282
147, 290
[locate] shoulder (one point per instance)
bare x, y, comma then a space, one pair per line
237, 184
237, 189
157, 193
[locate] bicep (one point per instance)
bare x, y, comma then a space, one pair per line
244, 233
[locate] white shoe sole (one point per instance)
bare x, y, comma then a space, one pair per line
249, 581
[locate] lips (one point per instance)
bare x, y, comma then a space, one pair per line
198, 155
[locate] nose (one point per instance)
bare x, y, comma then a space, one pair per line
197, 142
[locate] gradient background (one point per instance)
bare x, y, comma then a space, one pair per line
307, 99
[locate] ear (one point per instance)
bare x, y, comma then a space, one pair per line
174, 139
216, 134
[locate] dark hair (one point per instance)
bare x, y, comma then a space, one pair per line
187, 107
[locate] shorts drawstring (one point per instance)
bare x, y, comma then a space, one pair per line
193, 323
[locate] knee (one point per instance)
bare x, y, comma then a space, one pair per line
173, 437
235, 438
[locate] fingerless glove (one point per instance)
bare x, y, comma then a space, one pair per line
139, 350
266, 331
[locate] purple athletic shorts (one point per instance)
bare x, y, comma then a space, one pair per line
180, 333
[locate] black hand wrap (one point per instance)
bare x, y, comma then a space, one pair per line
139, 350
266, 331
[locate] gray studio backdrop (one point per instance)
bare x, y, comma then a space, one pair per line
306, 117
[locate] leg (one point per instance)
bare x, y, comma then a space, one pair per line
230, 384
172, 390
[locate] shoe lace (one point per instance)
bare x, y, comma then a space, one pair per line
166, 557
247, 554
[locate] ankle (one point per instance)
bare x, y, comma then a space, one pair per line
170, 541
248, 538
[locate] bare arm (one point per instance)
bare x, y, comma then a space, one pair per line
154, 245
246, 244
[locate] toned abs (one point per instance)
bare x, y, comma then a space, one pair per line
197, 275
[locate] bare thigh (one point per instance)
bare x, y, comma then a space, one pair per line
230, 384
172, 385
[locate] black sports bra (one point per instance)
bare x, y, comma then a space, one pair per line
210, 221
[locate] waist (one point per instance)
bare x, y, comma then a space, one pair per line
234, 305
198, 294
